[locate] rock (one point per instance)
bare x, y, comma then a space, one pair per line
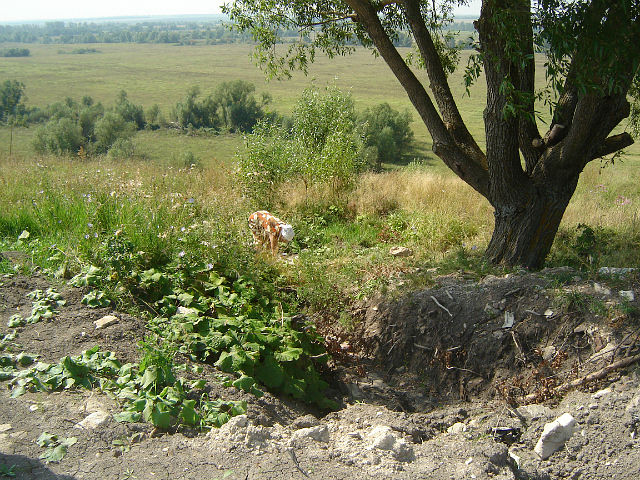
627, 295
534, 411
548, 353
5, 427
456, 428
554, 435
381, 437
401, 251
186, 311
93, 420
106, 321
601, 289
305, 421
601, 393
402, 451
319, 433
509, 319
617, 272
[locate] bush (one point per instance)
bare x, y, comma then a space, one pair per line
387, 130
15, 52
58, 136
321, 147
121, 148
111, 127
130, 112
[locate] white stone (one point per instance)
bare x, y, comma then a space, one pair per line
402, 451
319, 433
401, 251
548, 352
601, 393
381, 437
534, 411
554, 435
93, 420
627, 295
456, 428
5, 427
106, 321
602, 290
509, 319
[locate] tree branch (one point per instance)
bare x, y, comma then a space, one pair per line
613, 144
444, 145
440, 85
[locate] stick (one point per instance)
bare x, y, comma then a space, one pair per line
587, 378
435, 300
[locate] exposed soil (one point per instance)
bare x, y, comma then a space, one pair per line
432, 386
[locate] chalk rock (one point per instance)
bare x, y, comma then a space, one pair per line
401, 251
554, 435
614, 271
601, 289
456, 428
93, 420
106, 321
627, 295
601, 393
534, 411
381, 437
319, 433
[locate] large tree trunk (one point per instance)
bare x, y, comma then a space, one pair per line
523, 234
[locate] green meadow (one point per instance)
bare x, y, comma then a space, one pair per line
419, 204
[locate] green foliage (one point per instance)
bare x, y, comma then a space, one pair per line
55, 448
238, 109
45, 305
322, 146
111, 128
232, 107
15, 52
387, 130
59, 136
96, 299
129, 112
11, 99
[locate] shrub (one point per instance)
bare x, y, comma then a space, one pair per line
130, 112
387, 130
321, 147
111, 127
121, 148
58, 136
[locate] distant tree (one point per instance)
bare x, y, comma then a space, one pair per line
59, 136
11, 95
387, 130
528, 177
237, 107
110, 128
129, 111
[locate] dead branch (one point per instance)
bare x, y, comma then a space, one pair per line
435, 300
597, 375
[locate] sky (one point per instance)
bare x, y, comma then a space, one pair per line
20, 10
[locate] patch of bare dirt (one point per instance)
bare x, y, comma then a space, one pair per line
440, 392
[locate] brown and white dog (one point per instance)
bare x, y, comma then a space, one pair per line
267, 228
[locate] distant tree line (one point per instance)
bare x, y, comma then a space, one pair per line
186, 33
324, 124
15, 52
169, 32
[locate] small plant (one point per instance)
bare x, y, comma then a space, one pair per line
96, 299
8, 471
45, 305
55, 448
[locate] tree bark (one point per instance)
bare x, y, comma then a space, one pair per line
523, 235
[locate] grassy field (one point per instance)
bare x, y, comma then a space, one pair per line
343, 243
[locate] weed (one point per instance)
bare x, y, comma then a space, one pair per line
55, 448
8, 471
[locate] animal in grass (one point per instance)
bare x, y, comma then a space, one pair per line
267, 228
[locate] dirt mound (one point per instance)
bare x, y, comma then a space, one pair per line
439, 396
